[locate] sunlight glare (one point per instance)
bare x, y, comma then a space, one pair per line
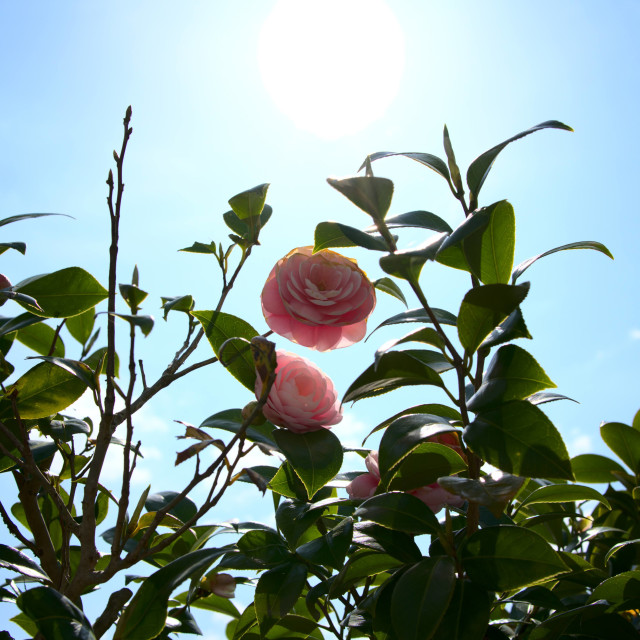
332, 66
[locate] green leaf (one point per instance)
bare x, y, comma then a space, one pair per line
369, 193
64, 293
220, 327
212, 602
39, 338
18, 246
439, 410
513, 374
483, 244
390, 287
512, 328
248, 229
391, 371
144, 323
200, 247
563, 493
316, 456
426, 335
178, 303
361, 566
276, 592
54, 615
467, 616
267, 547
294, 518
480, 167
231, 420
184, 510
426, 159
9, 325
398, 544
334, 234
624, 441
518, 438
330, 549
419, 219
11, 558
421, 597
403, 436
26, 216
408, 264
45, 390
132, 295
250, 203
618, 589
81, 326
506, 557
418, 315
400, 512
617, 547
586, 244
95, 359
80, 370
484, 308
594, 468
144, 617
286, 482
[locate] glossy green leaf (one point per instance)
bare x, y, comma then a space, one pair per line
403, 435
11, 558
81, 326
456, 178
398, 544
594, 468
480, 167
80, 370
624, 441
417, 219
294, 518
17, 246
512, 328
178, 303
144, 616
250, 203
55, 616
513, 374
617, 547
518, 438
428, 160
419, 315
200, 247
387, 285
286, 482
586, 244
132, 295
335, 234
265, 546
330, 549
94, 359
484, 308
144, 323
400, 512
483, 244
407, 264
360, 566
467, 615
220, 327
277, 591
369, 193
63, 293
506, 557
392, 370
184, 510
9, 325
40, 338
316, 456
439, 410
619, 589
27, 216
45, 390
231, 420
426, 335
421, 597
563, 493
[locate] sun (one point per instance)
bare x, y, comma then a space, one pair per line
332, 66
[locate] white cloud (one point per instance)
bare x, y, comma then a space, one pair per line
352, 430
634, 334
580, 444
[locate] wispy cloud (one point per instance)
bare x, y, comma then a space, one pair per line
634, 334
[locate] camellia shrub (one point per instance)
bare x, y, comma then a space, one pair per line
469, 521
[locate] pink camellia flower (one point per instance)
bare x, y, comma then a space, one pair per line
319, 300
433, 495
302, 397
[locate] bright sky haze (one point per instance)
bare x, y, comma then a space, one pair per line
226, 96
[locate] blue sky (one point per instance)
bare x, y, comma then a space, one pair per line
206, 127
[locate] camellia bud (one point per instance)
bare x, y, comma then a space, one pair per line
247, 410
222, 584
4, 284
